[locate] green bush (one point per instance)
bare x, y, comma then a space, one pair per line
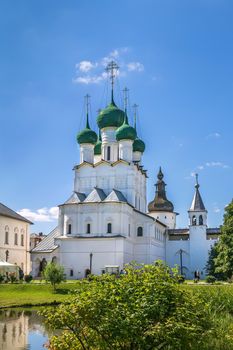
54, 274
2, 277
211, 279
28, 278
144, 309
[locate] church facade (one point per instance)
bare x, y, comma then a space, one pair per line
106, 222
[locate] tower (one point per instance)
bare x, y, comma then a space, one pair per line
197, 212
161, 208
198, 243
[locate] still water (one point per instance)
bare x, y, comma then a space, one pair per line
22, 329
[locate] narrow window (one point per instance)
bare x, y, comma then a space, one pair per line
129, 230
194, 220
71, 273
16, 239
7, 255
200, 220
6, 237
69, 229
108, 153
22, 240
140, 231
109, 228
88, 228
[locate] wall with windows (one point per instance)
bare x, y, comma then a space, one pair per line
121, 176
14, 242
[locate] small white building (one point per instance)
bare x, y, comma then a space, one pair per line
105, 221
14, 238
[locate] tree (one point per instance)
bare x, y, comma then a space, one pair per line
224, 260
54, 274
210, 265
142, 309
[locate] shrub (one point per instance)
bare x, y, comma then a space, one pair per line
144, 309
12, 277
211, 279
2, 277
28, 278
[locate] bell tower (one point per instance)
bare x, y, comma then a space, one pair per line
197, 212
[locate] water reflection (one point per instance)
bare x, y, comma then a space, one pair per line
22, 330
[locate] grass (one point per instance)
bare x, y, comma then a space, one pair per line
13, 295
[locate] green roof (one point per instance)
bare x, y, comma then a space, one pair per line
110, 116
98, 145
125, 131
87, 135
138, 145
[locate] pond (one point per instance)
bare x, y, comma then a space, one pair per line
22, 329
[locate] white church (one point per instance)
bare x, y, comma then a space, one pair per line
106, 222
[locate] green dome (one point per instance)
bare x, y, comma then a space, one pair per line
87, 135
125, 131
138, 145
110, 116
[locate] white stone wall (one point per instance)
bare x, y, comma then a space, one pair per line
18, 253
167, 218
121, 176
87, 153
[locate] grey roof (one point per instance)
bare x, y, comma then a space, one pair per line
97, 195
197, 203
5, 211
213, 231
47, 243
115, 196
76, 197
178, 231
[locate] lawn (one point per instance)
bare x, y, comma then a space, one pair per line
12, 295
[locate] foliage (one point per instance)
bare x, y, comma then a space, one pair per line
224, 259
54, 274
2, 277
210, 279
12, 277
211, 266
28, 278
143, 309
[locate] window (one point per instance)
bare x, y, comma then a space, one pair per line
16, 238
69, 230
129, 230
88, 228
6, 237
200, 220
22, 240
194, 220
109, 228
71, 273
108, 153
140, 231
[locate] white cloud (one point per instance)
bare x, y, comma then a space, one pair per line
135, 66
40, 215
217, 164
92, 72
85, 66
214, 135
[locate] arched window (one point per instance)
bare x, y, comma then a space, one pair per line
109, 227
140, 231
54, 259
22, 240
16, 238
7, 237
88, 228
69, 229
200, 220
108, 153
194, 220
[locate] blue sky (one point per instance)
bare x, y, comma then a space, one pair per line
176, 59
